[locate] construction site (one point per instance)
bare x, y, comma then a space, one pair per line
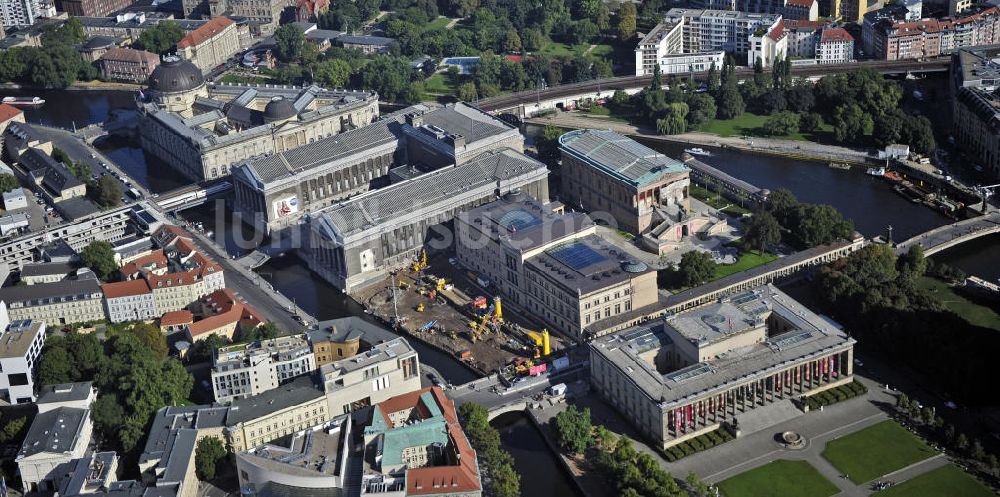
439, 303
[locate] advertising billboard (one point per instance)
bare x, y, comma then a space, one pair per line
286, 206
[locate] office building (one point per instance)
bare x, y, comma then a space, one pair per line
167, 460
971, 69
211, 45
276, 413
20, 345
386, 370
664, 46
241, 371
355, 243
50, 272
414, 445
693, 371
94, 8
276, 191
203, 132
553, 265
606, 173
59, 435
262, 16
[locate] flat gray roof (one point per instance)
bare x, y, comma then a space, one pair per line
64, 392
19, 335
54, 431
349, 328
378, 353
378, 207
298, 391
523, 223
463, 119
312, 454
586, 265
621, 158
810, 336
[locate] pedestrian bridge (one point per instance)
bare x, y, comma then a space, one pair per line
950, 235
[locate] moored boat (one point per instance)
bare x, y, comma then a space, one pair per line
23, 100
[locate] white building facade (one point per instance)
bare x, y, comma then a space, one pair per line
20, 345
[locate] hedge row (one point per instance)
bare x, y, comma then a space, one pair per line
697, 444
836, 394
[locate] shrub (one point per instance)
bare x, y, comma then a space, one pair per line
696, 444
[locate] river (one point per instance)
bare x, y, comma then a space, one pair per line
541, 474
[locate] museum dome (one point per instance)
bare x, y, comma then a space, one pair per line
279, 109
175, 75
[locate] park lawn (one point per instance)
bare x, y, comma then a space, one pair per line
438, 23
875, 451
747, 124
946, 480
602, 51
438, 85
716, 201
747, 260
970, 311
779, 478
557, 49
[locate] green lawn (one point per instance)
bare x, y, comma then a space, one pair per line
875, 451
713, 199
747, 260
779, 478
747, 125
438, 23
438, 85
972, 312
557, 49
946, 480
602, 51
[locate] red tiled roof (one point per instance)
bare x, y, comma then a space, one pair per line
206, 31
224, 299
131, 55
230, 317
174, 318
313, 6
802, 23
805, 4
8, 112
447, 479
156, 260
833, 35
125, 288
778, 31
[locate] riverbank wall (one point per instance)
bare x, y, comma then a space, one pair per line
89, 86
575, 475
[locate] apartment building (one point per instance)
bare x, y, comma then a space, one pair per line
835, 46
886, 34
211, 45
127, 65
241, 371
262, 15
807, 10
64, 302
290, 408
694, 371
178, 274
222, 313
720, 30
167, 462
387, 369
607, 173
664, 46
552, 264
19, 12
342, 338
9, 114
94, 8
21, 344
130, 300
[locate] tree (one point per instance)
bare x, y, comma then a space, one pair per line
512, 41
949, 434
918, 134
976, 452
762, 231
912, 264
626, 22
12, 430
800, 97
674, 122
207, 456
389, 76
701, 110
288, 41
548, 145
56, 366
333, 73
107, 413
109, 192
811, 225
810, 122
962, 442
714, 82
532, 39
573, 429
991, 462
697, 486
851, 124
151, 337
161, 38
903, 401
781, 124
100, 257
730, 102
467, 92
696, 267
8, 182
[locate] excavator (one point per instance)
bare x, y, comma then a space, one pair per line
492, 315
421, 262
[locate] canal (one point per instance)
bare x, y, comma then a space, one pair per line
541, 474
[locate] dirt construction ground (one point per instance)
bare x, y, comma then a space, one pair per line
452, 313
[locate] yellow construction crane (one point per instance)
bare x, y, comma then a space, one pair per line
541, 340
421, 262
494, 314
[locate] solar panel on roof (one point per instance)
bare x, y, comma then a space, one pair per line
576, 255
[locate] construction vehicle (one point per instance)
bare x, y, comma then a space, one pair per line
420, 307
541, 340
421, 262
493, 315
479, 303
441, 284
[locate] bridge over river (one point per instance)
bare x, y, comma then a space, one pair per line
949, 235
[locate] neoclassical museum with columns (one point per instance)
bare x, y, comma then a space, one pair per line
685, 374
